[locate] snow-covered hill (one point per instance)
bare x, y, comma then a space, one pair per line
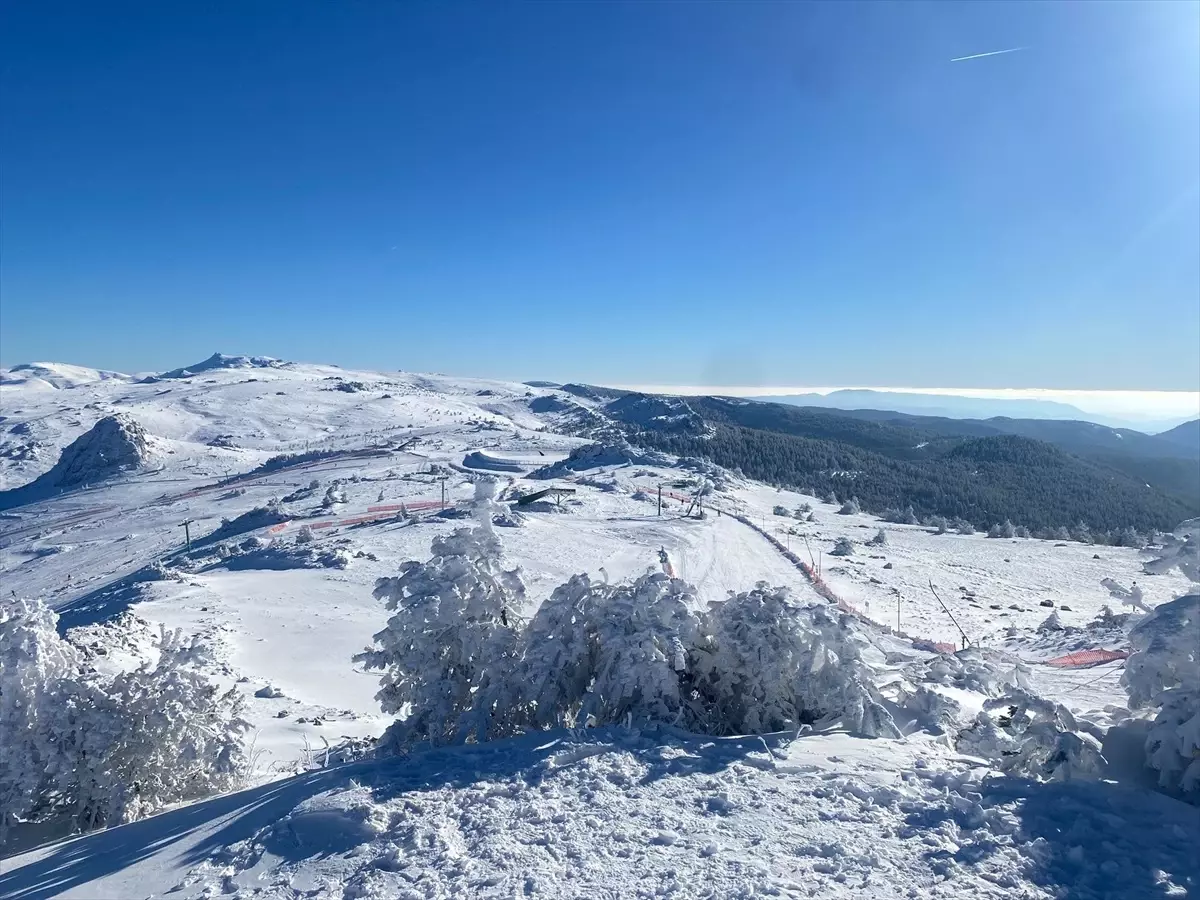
280, 576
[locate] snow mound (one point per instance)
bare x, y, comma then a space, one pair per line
59, 376
221, 361
281, 557
481, 459
593, 456
113, 445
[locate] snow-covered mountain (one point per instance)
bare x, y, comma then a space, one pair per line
303, 485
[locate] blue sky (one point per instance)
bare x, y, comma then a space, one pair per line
668, 193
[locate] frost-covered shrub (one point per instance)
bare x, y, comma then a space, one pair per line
101, 749
333, 497
1180, 550
37, 685
962, 526
842, 547
305, 535
971, 670
459, 665
156, 735
782, 511
880, 539
1164, 672
900, 516
1024, 734
596, 653
449, 651
771, 665
1002, 530
1051, 623
850, 508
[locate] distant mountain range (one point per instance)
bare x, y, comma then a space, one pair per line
954, 407
1042, 473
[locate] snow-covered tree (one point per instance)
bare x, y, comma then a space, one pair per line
1002, 530
1163, 671
879, 540
106, 749
37, 685
333, 497
597, 653
772, 664
152, 736
842, 547
449, 650
850, 508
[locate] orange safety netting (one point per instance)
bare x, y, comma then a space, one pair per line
1085, 658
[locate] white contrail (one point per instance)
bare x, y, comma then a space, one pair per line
989, 53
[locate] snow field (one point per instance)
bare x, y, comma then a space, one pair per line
606, 812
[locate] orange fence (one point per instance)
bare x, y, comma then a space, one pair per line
1086, 658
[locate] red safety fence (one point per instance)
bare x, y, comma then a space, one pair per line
1086, 658
824, 590
373, 513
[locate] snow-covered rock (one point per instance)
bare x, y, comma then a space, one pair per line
114, 445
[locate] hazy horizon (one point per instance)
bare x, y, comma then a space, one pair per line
1134, 405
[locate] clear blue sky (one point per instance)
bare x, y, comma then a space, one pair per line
724, 193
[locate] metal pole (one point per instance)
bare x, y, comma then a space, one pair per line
187, 534
966, 641
443, 484
897, 612
660, 499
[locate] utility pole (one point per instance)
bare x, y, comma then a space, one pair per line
442, 482
897, 612
187, 534
660, 499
